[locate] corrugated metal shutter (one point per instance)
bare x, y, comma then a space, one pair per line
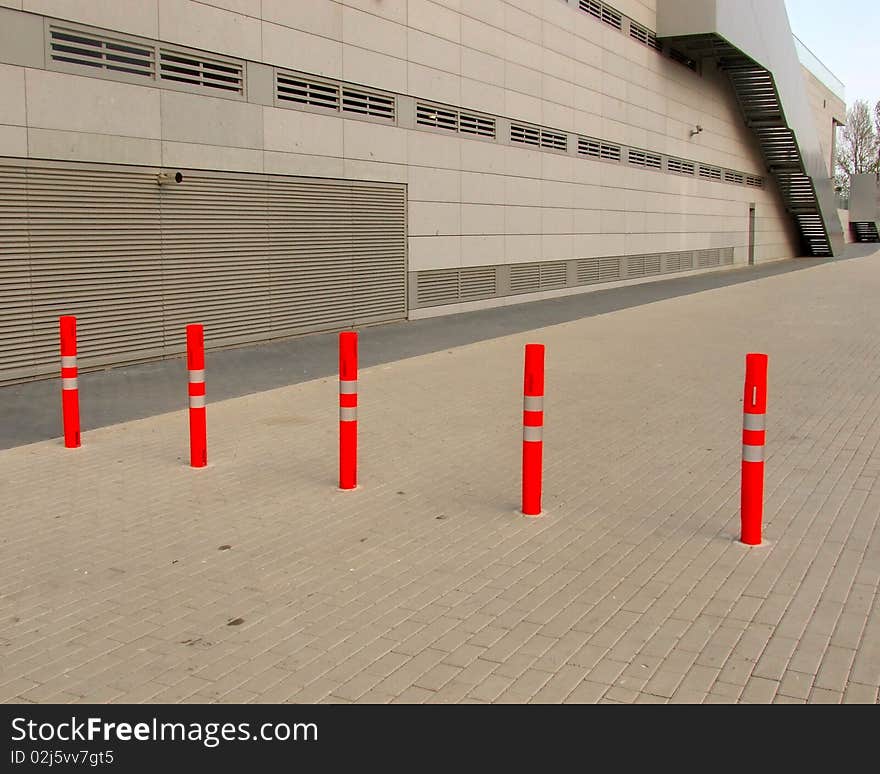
378, 253
95, 253
252, 257
16, 324
215, 260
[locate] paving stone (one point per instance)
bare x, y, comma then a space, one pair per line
634, 588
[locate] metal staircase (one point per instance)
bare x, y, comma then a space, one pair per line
806, 192
865, 232
864, 206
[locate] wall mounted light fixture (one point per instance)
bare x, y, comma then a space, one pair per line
167, 178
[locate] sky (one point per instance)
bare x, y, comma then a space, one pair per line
845, 36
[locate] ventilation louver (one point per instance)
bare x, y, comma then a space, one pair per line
437, 287
609, 269
474, 124
680, 166
733, 177
454, 121
598, 149
477, 282
292, 88
82, 48
643, 35
553, 275
525, 278
440, 118
197, 70
644, 159
525, 135
554, 140
368, 103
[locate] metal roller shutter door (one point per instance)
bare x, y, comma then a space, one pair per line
16, 319
252, 257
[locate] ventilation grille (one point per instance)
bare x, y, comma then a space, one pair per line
525, 278
543, 138
587, 271
635, 266
478, 282
553, 275
292, 88
201, 71
89, 48
440, 118
643, 265
706, 258
437, 287
92, 49
612, 17
592, 7
453, 121
368, 103
609, 269
680, 166
644, 159
525, 135
82, 48
710, 173
450, 286
554, 140
473, 124
304, 90
598, 149
643, 35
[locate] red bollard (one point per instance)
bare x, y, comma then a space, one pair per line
348, 401
533, 429
195, 363
753, 438
69, 383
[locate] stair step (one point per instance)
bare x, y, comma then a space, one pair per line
865, 231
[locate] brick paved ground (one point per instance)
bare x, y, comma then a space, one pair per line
125, 573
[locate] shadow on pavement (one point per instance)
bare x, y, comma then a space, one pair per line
30, 412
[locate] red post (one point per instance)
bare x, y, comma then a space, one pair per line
195, 363
533, 429
348, 401
69, 383
753, 438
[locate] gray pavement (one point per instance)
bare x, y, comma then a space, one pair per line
129, 577
29, 412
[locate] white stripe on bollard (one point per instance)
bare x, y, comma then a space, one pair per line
753, 453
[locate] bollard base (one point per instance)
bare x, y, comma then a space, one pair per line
530, 515
348, 489
763, 544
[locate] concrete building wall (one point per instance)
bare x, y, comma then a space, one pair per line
829, 111
471, 202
